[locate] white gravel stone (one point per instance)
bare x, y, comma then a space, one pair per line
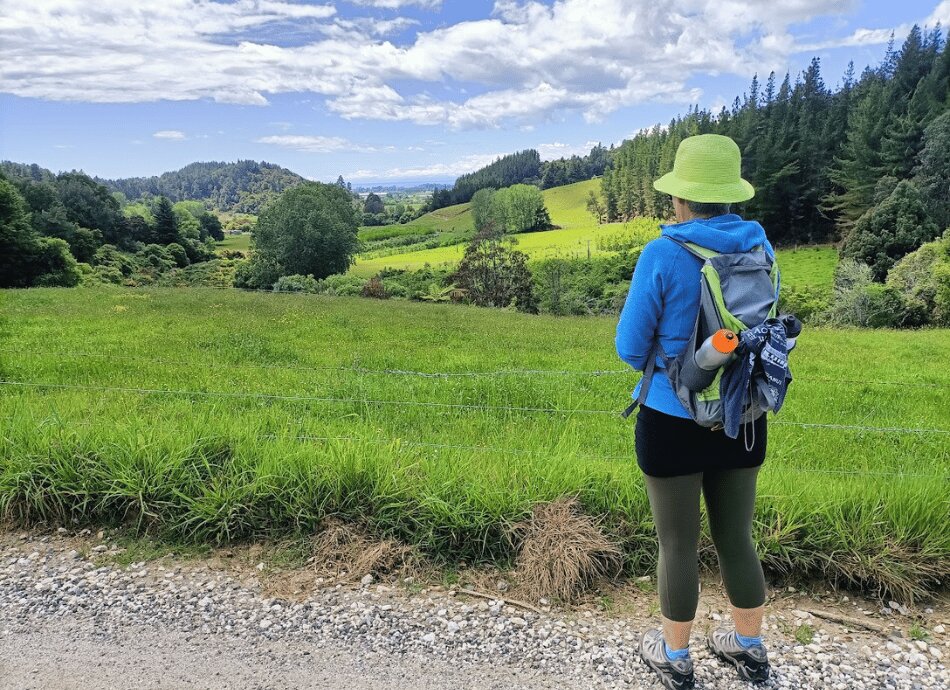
578, 649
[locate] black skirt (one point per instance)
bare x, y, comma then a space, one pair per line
669, 446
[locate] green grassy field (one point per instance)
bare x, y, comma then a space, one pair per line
213, 414
578, 232
385, 232
568, 242
448, 219
240, 242
808, 267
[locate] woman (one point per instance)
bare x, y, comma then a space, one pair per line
679, 458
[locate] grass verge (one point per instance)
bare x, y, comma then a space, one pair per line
215, 416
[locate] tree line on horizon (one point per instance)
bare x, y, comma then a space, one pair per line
523, 167
819, 159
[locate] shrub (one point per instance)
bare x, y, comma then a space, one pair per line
395, 289
374, 288
942, 299
426, 283
584, 286
859, 301
297, 283
199, 250
849, 304
178, 254
918, 278
109, 255
886, 308
256, 274
216, 273
157, 257
342, 285
492, 274
895, 227
54, 265
108, 274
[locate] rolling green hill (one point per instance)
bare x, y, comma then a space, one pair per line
577, 235
242, 186
453, 225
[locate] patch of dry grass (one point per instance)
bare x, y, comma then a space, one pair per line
562, 552
347, 552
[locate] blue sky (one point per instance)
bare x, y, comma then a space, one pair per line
393, 90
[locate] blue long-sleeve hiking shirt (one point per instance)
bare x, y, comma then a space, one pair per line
664, 296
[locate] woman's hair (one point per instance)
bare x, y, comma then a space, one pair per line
708, 210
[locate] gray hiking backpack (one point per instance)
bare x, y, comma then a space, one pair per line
738, 292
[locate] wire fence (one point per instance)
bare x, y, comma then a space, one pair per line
427, 404
194, 364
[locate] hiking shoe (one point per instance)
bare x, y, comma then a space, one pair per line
676, 674
752, 663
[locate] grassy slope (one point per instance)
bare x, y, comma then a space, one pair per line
239, 468
240, 242
565, 204
810, 266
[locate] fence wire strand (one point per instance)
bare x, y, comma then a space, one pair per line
429, 374
425, 403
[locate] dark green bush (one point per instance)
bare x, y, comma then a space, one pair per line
892, 229
584, 286
921, 278
256, 274
886, 308
178, 254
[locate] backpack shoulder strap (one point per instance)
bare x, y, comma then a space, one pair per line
694, 249
647, 379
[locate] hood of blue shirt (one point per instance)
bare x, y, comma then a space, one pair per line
724, 234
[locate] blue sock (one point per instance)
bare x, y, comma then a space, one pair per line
747, 642
674, 654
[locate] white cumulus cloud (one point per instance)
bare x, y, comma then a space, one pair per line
526, 63
559, 149
313, 144
398, 4
173, 134
461, 166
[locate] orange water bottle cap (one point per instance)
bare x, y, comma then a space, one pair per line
725, 341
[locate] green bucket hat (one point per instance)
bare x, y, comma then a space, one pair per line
707, 169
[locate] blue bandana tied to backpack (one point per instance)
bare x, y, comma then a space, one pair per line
761, 371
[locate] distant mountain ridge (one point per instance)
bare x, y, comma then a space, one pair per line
243, 187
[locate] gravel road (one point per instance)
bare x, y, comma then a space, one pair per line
66, 622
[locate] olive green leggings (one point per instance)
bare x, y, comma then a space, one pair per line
730, 502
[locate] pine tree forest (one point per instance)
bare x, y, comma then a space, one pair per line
820, 158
